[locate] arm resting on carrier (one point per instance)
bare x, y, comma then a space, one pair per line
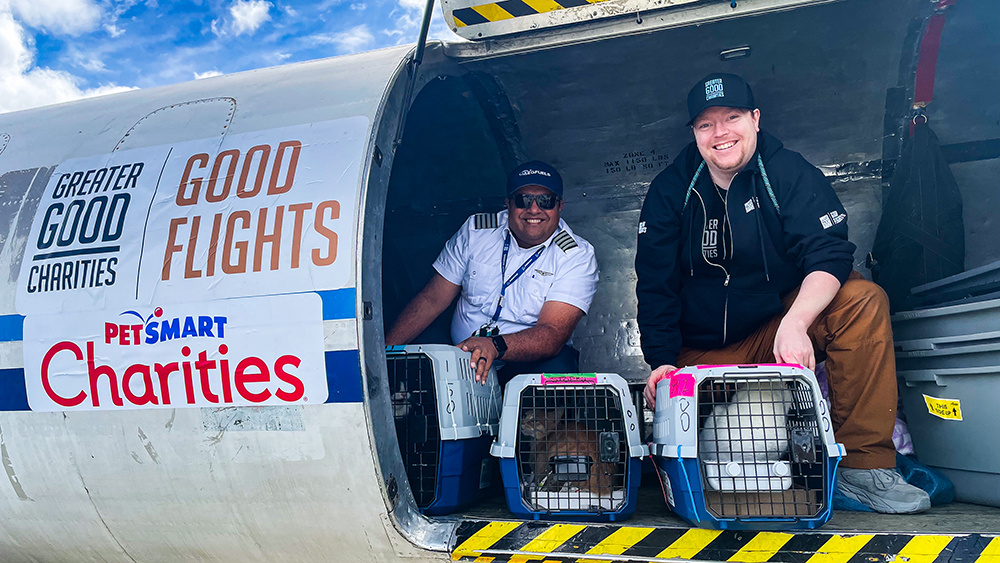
555, 325
791, 343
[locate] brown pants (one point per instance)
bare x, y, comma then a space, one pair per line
854, 335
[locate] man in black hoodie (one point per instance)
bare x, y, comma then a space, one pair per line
743, 257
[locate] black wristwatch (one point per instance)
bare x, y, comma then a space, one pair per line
501, 345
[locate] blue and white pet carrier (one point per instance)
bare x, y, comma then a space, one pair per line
745, 447
445, 423
569, 447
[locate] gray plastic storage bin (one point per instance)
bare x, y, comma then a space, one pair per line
977, 283
948, 365
956, 336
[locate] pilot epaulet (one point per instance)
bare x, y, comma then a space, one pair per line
565, 241
486, 221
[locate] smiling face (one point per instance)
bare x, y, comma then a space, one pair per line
532, 226
726, 139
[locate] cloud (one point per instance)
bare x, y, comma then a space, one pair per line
22, 84
114, 31
70, 17
356, 39
116, 12
249, 15
206, 74
359, 6
89, 61
417, 5
409, 14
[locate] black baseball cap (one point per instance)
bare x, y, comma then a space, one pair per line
535, 173
719, 90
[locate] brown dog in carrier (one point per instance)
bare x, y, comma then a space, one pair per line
569, 446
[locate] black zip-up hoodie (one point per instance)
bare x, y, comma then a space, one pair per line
686, 300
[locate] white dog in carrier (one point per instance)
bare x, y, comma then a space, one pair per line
742, 441
754, 442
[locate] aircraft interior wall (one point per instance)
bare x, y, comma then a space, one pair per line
965, 115
834, 85
448, 166
610, 115
834, 82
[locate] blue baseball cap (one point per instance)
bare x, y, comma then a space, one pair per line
719, 90
535, 173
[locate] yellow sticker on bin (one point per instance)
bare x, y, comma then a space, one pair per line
948, 409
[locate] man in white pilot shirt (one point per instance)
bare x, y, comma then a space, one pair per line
525, 282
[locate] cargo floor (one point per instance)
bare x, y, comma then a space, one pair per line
651, 511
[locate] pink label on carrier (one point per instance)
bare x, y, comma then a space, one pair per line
569, 379
712, 366
682, 385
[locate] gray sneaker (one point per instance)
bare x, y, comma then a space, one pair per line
882, 490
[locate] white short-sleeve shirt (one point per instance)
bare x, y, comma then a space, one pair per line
566, 271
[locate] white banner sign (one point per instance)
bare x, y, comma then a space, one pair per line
251, 351
266, 212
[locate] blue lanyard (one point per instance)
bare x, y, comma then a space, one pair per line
503, 272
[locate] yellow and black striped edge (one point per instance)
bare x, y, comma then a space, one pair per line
510, 9
516, 542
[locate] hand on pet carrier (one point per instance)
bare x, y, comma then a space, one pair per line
660, 373
484, 353
792, 345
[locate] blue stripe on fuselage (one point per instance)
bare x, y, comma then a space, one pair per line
343, 376
13, 394
339, 304
11, 328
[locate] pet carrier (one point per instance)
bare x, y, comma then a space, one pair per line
445, 422
569, 447
745, 447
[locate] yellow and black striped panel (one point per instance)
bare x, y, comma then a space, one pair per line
509, 9
497, 542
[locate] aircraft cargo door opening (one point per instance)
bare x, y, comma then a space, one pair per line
846, 85
447, 167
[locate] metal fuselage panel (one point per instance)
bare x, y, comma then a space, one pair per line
306, 481
218, 469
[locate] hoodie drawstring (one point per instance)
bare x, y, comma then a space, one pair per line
690, 253
767, 183
760, 234
760, 226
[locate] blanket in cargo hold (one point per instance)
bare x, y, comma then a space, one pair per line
253, 351
256, 213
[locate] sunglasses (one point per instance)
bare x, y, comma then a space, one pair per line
544, 201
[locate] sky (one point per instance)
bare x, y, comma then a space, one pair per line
59, 50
